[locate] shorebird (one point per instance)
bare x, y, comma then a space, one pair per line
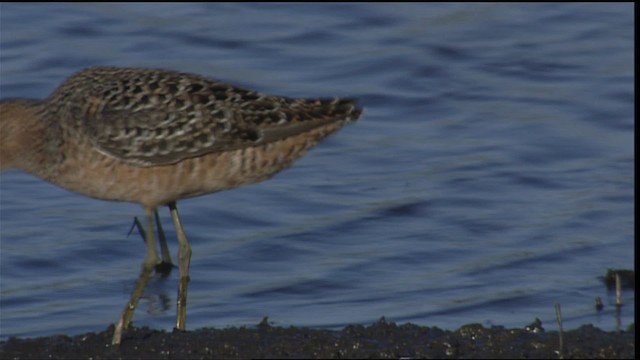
152, 137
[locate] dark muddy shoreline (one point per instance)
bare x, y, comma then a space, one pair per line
380, 340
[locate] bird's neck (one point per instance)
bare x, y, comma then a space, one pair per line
21, 134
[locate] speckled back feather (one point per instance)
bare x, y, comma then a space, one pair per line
151, 117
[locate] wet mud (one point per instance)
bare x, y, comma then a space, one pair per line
380, 340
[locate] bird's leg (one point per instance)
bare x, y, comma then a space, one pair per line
136, 224
184, 259
166, 265
163, 268
147, 266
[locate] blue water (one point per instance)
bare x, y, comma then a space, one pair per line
490, 177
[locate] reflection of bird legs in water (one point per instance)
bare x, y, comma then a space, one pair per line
161, 303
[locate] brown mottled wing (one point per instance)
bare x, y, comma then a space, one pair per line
157, 117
